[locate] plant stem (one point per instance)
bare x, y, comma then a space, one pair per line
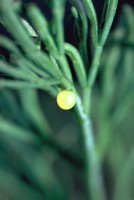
98, 51
108, 21
90, 11
91, 78
92, 168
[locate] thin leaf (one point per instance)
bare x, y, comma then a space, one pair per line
58, 15
78, 65
91, 13
14, 72
41, 25
41, 84
108, 21
105, 12
9, 44
82, 26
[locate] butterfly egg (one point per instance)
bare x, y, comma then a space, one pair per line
66, 99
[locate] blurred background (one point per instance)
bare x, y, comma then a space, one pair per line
40, 154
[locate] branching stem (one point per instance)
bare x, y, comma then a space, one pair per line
98, 52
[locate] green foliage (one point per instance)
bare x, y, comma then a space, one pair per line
44, 150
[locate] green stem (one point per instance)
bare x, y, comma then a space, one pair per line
98, 51
94, 66
92, 168
108, 21
91, 78
90, 11
58, 16
86, 97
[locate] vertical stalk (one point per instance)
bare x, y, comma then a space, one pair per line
99, 49
90, 11
111, 10
91, 78
92, 168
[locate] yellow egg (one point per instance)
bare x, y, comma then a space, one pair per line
66, 99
